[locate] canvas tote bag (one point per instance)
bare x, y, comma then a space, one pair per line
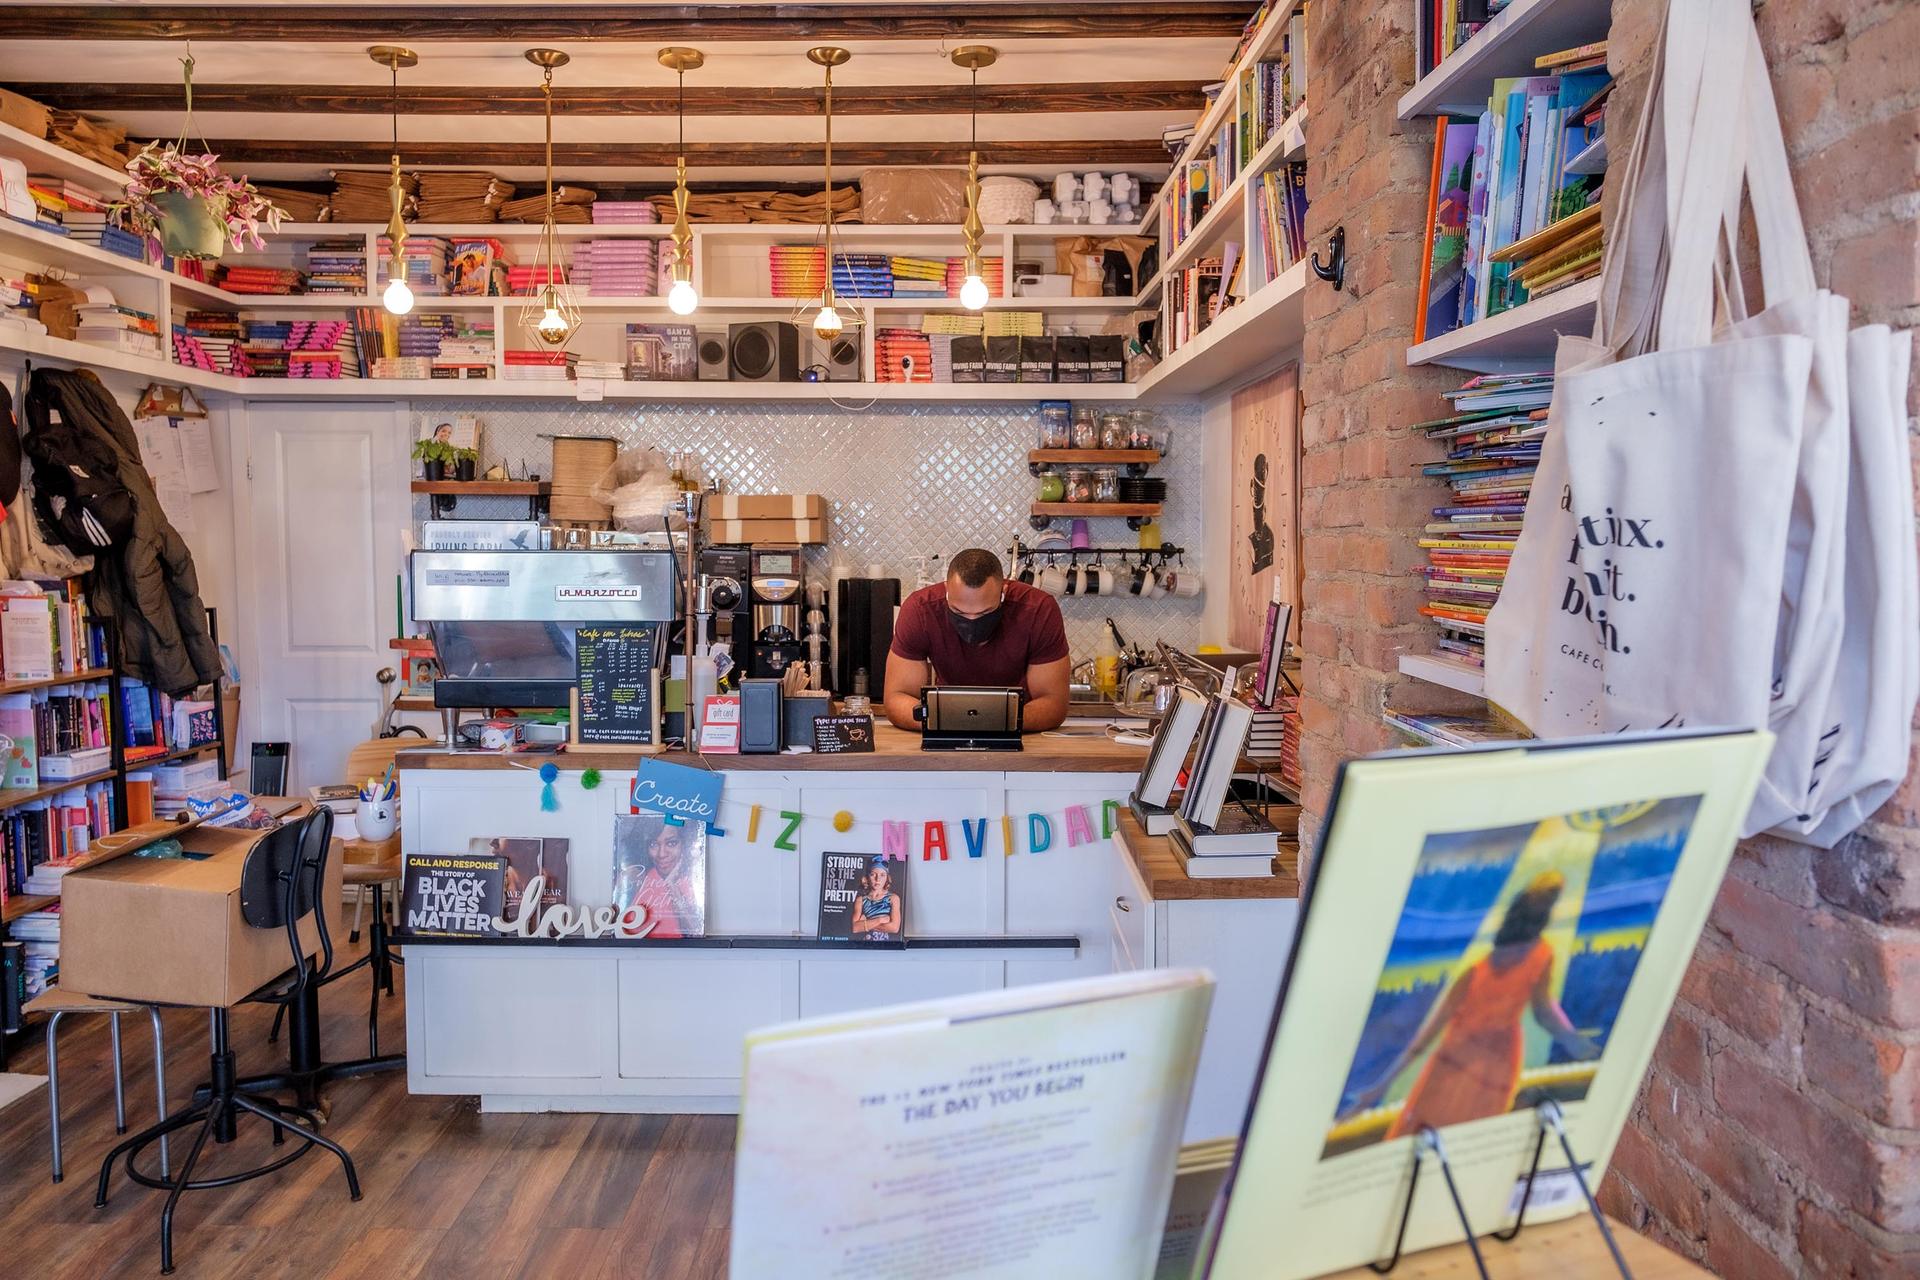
1646, 588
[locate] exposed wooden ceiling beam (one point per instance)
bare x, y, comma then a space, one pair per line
679, 23
302, 151
515, 100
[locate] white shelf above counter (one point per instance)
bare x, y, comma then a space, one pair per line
785, 232
1226, 217
1246, 338
1519, 338
65, 353
1451, 674
1505, 46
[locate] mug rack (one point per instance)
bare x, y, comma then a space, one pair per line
1152, 557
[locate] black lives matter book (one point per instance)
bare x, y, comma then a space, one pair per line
452, 895
863, 897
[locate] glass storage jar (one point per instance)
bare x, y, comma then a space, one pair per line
1106, 484
1114, 430
1055, 427
1079, 484
1086, 429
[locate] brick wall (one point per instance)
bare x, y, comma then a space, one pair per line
1779, 1132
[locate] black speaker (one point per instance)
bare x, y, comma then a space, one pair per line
866, 608
711, 348
837, 358
764, 351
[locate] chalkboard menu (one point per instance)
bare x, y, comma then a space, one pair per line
613, 668
833, 735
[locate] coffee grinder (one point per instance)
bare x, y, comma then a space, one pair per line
776, 590
732, 622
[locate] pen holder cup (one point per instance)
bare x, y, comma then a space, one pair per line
376, 819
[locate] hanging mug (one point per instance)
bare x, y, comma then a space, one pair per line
1053, 581
1184, 583
1027, 574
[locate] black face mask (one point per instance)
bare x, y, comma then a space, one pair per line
976, 630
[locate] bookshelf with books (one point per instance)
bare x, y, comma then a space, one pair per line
1511, 261
75, 726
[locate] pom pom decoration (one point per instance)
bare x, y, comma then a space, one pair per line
549, 802
843, 822
589, 779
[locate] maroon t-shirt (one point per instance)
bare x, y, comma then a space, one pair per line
1030, 634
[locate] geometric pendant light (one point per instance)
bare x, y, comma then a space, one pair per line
552, 317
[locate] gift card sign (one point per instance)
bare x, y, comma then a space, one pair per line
692, 795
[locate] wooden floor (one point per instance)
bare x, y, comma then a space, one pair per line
448, 1192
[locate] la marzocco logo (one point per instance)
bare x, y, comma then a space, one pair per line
596, 593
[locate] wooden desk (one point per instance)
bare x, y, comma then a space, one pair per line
1570, 1249
1165, 881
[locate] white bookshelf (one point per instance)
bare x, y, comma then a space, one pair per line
1245, 338
1457, 676
1506, 46
1519, 338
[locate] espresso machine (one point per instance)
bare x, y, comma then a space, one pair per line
732, 622
776, 591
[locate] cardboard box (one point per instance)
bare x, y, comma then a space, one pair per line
169, 929
24, 114
746, 531
767, 506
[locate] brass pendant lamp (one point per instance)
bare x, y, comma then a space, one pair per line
398, 298
682, 298
552, 317
826, 322
973, 291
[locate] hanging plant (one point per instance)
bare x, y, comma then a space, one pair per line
183, 203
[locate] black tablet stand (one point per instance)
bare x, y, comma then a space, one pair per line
1551, 1120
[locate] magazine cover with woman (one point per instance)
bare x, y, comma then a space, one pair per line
662, 866
863, 897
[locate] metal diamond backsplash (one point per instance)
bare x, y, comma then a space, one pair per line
901, 481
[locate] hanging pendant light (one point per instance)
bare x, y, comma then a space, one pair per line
398, 298
826, 322
973, 290
682, 298
552, 317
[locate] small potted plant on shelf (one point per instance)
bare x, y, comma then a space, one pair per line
466, 462
189, 208
434, 454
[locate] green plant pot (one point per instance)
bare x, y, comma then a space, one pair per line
191, 226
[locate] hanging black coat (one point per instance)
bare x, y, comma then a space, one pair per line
93, 495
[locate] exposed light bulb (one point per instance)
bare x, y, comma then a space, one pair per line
973, 293
681, 299
398, 299
553, 326
826, 323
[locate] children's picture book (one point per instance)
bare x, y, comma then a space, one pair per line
863, 897
527, 857
662, 353
661, 865
1486, 931
999, 1136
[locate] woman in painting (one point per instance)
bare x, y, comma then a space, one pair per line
878, 911
1475, 1071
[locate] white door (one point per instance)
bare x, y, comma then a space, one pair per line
330, 505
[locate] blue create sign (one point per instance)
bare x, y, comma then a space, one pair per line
684, 794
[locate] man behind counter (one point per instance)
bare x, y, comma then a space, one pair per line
980, 629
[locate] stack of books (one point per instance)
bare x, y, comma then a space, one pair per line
1430, 729
263, 280
540, 366
118, 328
616, 269
902, 355
337, 267
1242, 842
1013, 324
1280, 220
919, 277
467, 352
478, 268
462, 197
863, 275
624, 212
216, 335
992, 272
797, 270
524, 279
427, 259
1493, 447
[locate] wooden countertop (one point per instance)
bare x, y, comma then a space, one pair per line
1057, 751
1570, 1248
1161, 872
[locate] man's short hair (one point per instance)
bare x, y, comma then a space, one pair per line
975, 567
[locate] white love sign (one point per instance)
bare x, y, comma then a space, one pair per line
560, 920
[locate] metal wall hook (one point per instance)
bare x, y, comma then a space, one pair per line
1334, 270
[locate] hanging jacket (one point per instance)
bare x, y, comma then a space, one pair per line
92, 494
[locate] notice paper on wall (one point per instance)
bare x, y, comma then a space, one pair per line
162, 454
1011, 1134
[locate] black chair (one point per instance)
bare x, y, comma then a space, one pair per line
280, 885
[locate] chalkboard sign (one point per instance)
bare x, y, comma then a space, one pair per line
833, 735
613, 668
